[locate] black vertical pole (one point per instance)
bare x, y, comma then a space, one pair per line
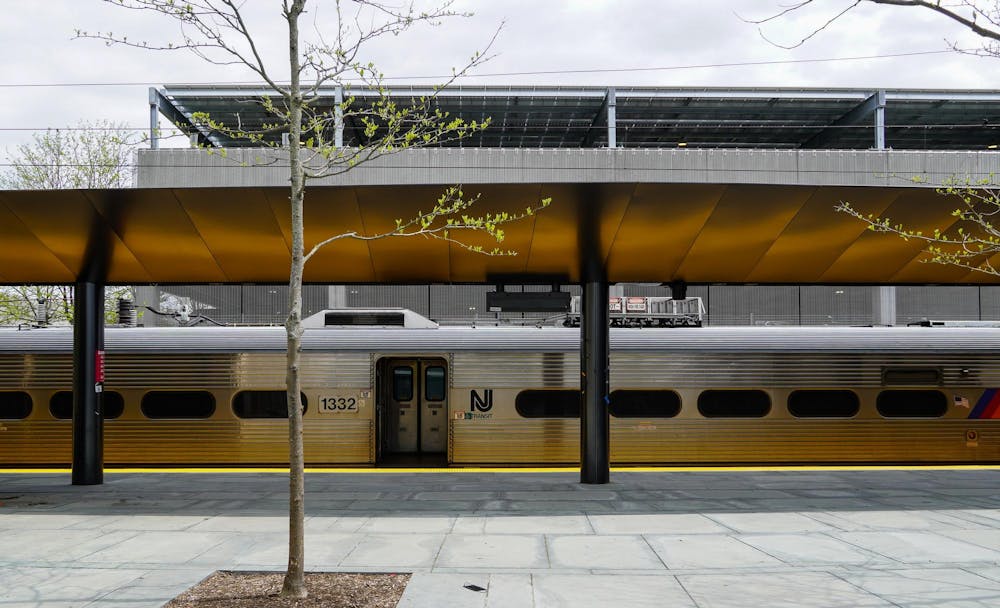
595, 424
595, 439
88, 380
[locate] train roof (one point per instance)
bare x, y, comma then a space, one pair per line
526, 339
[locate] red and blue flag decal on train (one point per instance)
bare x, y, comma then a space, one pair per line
988, 406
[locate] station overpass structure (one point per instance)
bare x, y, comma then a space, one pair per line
648, 185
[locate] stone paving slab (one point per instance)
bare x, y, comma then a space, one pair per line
950, 588
703, 551
602, 553
499, 551
581, 591
919, 547
811, 549
655, 523
777, 590
704, 539
395, 551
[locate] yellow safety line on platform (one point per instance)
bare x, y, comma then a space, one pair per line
387, 470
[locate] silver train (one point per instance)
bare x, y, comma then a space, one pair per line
469, 396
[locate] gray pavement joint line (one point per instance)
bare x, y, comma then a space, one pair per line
694, 602
531, 583
437, 554
97, 600
966, 569
739, 538
873, 551
221, 539
843, 526
357, 543
658, 556
870, 553
135, 533
545, 544
809, 515
863, 590
719, 523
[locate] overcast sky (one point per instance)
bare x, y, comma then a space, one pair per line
36, 40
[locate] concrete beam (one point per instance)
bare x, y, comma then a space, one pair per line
193, 168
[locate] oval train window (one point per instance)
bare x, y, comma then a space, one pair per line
911, 404
651, 403
823, 404
61, 405
734, 403
178, 404
548, 404
264, 404
14, 405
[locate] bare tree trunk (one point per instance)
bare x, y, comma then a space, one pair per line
294, 584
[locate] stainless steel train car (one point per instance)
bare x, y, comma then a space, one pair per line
467, 396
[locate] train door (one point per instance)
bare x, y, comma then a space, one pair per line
412, 410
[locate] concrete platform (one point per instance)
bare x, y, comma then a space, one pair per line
829, 538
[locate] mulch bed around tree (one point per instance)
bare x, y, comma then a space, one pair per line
326, 590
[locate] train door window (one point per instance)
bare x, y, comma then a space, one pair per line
402, 383
434, 383
823, 404
734, 404
61, 405
645, 404
911, 404
264, 404
178, 404
14, 405
548, 404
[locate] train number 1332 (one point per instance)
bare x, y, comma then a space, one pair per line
339, 404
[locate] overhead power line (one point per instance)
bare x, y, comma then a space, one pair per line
624, 124
624, 70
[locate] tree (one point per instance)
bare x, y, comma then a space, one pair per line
19, 303
88, 155
974, 238
981, 17
970, 243
217, 32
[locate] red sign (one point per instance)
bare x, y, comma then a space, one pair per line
99, 366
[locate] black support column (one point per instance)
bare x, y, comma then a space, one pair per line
595, 424
88, 381
595, 438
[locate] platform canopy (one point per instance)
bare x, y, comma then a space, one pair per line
645, 117
701, 233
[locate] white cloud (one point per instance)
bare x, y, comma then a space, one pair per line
539, 35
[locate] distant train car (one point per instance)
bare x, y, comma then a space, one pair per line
467, 396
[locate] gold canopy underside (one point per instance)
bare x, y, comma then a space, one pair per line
701, 233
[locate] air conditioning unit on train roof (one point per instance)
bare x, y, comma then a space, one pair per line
367, 317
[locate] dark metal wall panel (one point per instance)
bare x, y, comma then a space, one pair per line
414, 297
989, 303
237, 304
456, 304
937, 302
753, 305
836, 305
466, 304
